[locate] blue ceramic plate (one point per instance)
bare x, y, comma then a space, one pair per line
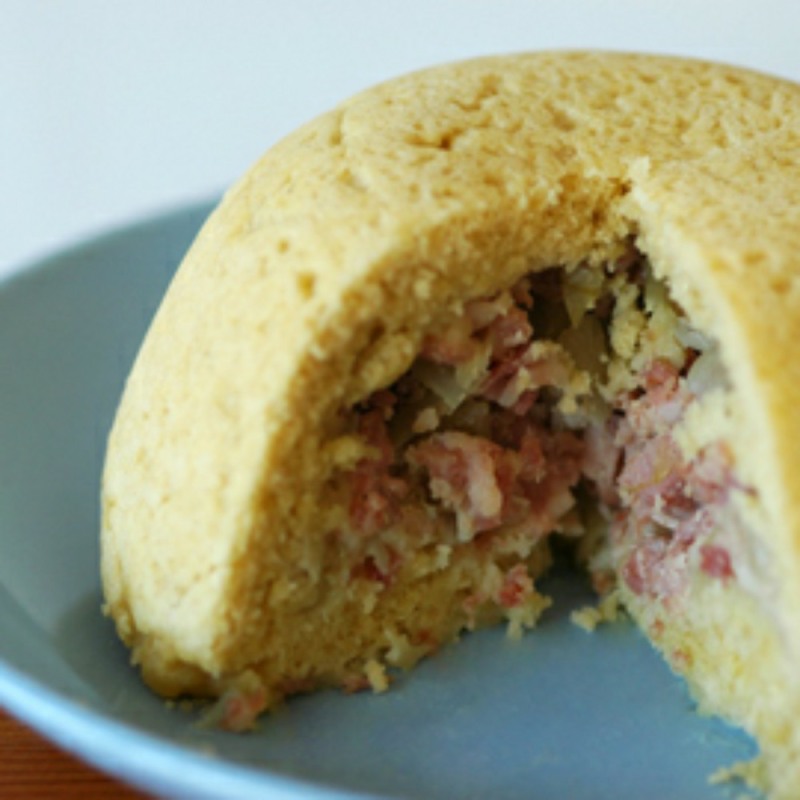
562, 714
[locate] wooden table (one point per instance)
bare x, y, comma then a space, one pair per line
31, 767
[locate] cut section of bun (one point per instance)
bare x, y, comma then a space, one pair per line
468, 314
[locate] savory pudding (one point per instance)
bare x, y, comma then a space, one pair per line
467, 314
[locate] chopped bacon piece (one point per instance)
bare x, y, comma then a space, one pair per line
375, 498
661, 405
521, 371
635, 571
383, 573
602, 460
469, 475
533, 461
525, 403
502, 385
517, 587
483, 312
426, 639
240, 709
716, 561
655, 567
357, 682
603, 581
647, 464
564, 455
372, 426
488, 485
661, 379
672, 503
509, 331
498, 321
375, 494
452, 346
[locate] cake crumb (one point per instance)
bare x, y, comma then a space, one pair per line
608, 609
526, 615
376, 675
749, 772
427, 420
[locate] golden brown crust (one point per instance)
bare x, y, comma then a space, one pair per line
312, 283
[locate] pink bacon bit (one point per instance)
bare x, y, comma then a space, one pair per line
716, 562
376, 495
384, 574
673, 504
655, 568
517, 587
533, 461
488, 485
661, 379
603, 581
502, 321
509, 331
635, 571
655, 479
368, 570
425, 638
661, 405
515, 378
375, 501
602, 460
469, 475
355, 683
564, 455
639, 570
240, 709
454, 345
372, 427
498, 384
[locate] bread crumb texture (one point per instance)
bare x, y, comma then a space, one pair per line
314, 285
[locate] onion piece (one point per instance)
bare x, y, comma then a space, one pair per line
442, 381
587, 344
581, 289
690, 337
707, 372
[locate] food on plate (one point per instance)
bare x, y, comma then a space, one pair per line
468, 314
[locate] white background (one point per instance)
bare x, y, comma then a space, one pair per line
111, 110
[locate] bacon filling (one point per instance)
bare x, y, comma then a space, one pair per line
508, 409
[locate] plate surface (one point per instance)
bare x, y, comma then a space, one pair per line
561, 714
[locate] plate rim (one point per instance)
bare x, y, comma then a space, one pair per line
121, 749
